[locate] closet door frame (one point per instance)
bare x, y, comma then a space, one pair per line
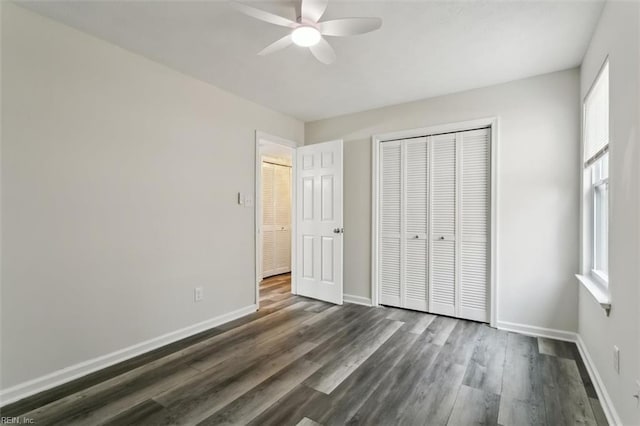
377, 140
260, 139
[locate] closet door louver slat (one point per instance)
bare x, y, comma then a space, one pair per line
416, 213
443, 212
390, 223
474, 245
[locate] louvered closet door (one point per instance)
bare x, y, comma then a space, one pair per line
414, 292
390, 223
282, 219
268, 221
443, 224
474, 224
434, 224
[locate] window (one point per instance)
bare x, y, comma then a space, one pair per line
596, 168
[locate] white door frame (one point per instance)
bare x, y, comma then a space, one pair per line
265, 137
376, 140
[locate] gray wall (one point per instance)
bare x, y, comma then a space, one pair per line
537, 184
119, 182
618, 37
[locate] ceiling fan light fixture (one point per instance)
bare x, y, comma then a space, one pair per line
306, 36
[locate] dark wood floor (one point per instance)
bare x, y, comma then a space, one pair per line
300, 361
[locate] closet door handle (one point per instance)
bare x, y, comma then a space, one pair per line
416, 237
442, 238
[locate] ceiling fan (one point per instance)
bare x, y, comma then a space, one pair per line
307, 31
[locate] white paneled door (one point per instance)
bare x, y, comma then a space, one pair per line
433, 226
319, 216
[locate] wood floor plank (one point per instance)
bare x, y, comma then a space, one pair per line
330, 344
556, 348
307, 422
352, 393
422, 323
461, 342
111, 397
486, 367
135, 415
514, 412
351, 357
389, 401
276, 297
241, 344
198, 399
474, 407
522, 376
301, 402
439, 329
253, 403
565, 398
433, 393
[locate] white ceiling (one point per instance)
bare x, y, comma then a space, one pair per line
424, 48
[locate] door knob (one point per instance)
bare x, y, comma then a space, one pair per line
442, 238
416, 237
336, 231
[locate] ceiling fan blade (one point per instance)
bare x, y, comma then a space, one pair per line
278, 45
323, 52
349, 26
312, 10
263, 15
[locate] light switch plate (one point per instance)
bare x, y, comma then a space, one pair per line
616, 359
198, 294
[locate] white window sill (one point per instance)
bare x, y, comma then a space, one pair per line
599, 293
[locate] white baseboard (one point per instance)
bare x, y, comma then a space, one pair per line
73, 372
531, 330
358, 300
601, 390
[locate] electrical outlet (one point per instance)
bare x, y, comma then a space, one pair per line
616, 359
198, 294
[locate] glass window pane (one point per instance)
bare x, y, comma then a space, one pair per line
601, 215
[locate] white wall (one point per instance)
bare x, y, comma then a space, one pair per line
119, 182
537, 184
617, 36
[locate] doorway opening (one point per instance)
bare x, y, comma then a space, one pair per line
275, 205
